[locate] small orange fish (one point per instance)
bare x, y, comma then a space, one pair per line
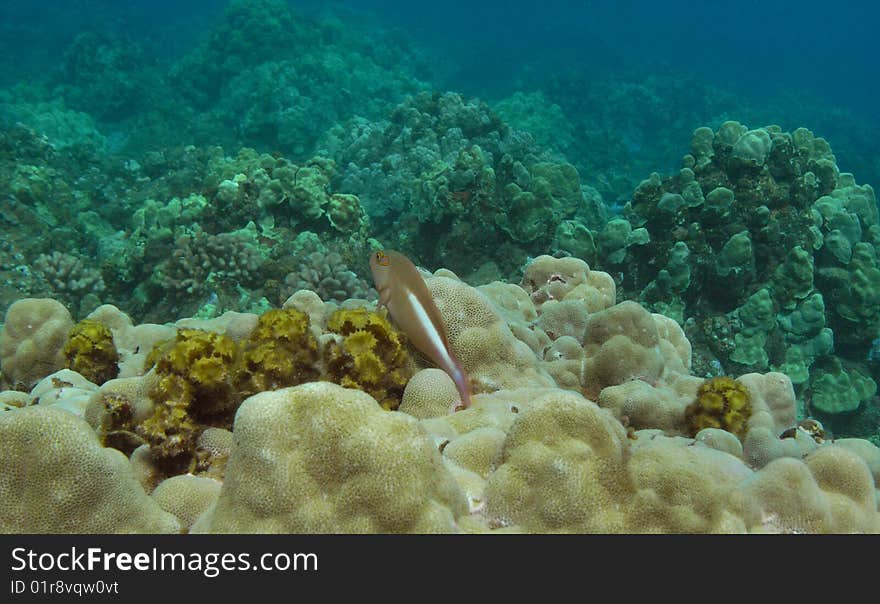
411, 306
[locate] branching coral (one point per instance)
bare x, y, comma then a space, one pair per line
329, 277
204, 261
67, 275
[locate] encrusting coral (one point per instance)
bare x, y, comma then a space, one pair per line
369, 354
194, 384
280, 351
721, 402
90, 351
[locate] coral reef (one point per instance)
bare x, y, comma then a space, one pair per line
106, 76
718, 378
766, 252
534, 113
444, 171
274, 77
178, 231
51, 119
606, 430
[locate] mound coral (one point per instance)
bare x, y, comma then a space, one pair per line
584, 444
322, 458
116, 409
32, 341
63, 481
186, 496
429, 393
270, 76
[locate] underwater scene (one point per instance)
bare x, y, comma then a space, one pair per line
275, 266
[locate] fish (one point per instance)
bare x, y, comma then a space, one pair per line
403, 291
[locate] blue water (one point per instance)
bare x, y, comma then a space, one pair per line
760, 46
816, 60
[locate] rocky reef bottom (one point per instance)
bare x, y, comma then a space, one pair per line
320, 417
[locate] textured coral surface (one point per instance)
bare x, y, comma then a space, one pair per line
190, 340
584, 421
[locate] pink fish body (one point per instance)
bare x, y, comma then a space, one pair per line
403, 291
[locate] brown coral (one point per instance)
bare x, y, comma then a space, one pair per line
281, 351
721, 402
194, 385
90, 351
369, 355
